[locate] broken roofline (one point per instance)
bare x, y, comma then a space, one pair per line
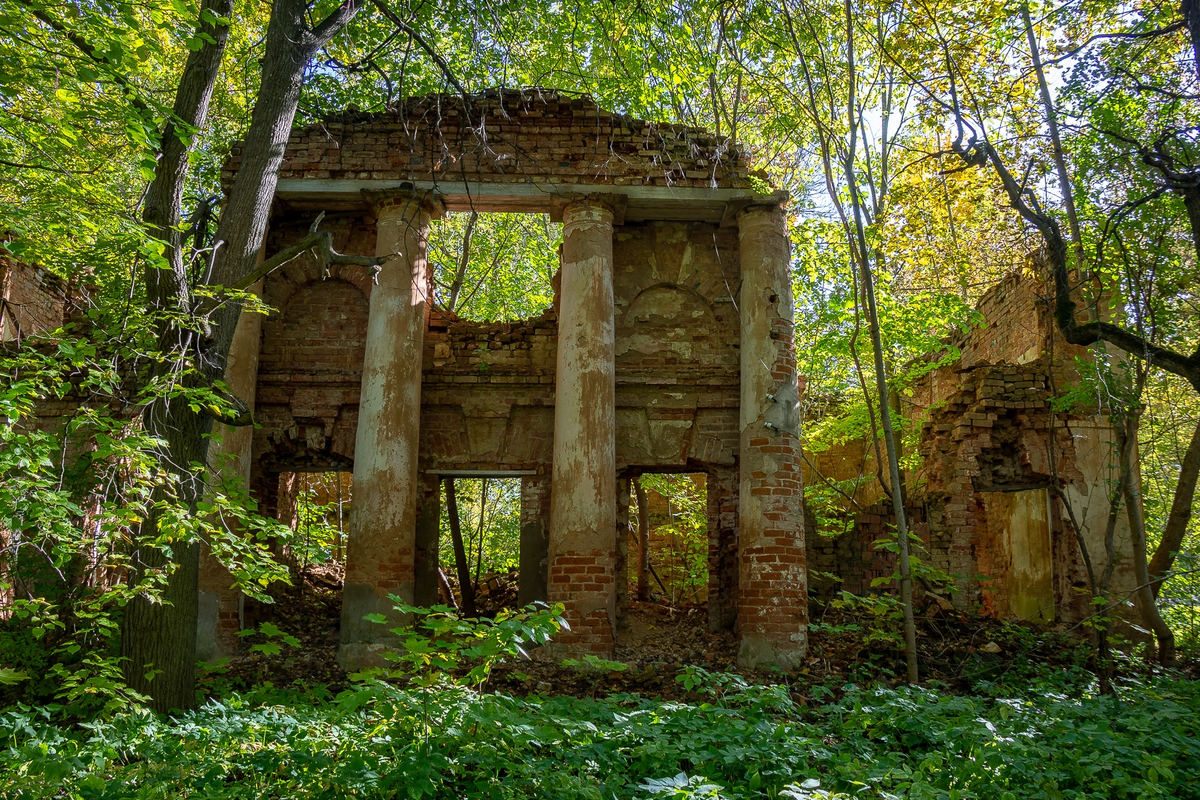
526, 151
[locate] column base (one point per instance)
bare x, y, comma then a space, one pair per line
757, 652
364, 642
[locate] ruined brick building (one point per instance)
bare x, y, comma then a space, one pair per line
992, 444
669, 348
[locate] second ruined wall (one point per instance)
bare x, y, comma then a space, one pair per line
992, 446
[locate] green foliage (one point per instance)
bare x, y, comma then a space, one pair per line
275, 639
1051, 739
511, 261
440, 642
682, 558
74, 496
596, 663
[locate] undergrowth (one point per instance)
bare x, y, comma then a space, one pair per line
1053, 739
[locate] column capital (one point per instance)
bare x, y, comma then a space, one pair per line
404, 201
761, 215
585, 210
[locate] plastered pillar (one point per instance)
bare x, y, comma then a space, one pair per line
381, 541
230, 455
584, 483
772, 595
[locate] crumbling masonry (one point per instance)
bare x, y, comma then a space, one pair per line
993, 446
669, 348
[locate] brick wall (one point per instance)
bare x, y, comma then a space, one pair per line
986, 425
34, 300
488, 388
509, 136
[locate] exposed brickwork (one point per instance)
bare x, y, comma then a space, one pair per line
583, 583
310, 362
488, 388
987, 426
513, 137
32, 300
722, 491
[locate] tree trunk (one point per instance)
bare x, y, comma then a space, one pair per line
881, 386
460, 553
1180, 516
445, 591
482, 512
1191, 17
643, 572
1144, 596
290, 45
162, 637
158, 638
464, 260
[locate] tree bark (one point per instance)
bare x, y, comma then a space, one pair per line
863, 256
162, 636
643, 572
1180, 516
290, 45
464, 261
460, 553
482, 512
445, 591
1191, 17
1144, 596
158, 636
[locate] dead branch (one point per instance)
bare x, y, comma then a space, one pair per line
320, 243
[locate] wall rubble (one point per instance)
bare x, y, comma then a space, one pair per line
993, 445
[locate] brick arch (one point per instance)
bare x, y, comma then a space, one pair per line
667, 324
663, 304
309, 377
699, 257
305, 271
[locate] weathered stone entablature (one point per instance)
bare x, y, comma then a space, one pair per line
641, 365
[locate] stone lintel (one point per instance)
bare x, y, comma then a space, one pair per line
636, 203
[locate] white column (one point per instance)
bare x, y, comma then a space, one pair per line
584, 475
772, 585
381, 541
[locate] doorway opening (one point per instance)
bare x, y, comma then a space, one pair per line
668, 560
316, 506
322, 511
479, 543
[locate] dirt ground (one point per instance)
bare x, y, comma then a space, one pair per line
655, 642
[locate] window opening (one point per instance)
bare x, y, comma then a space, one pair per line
494, 267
